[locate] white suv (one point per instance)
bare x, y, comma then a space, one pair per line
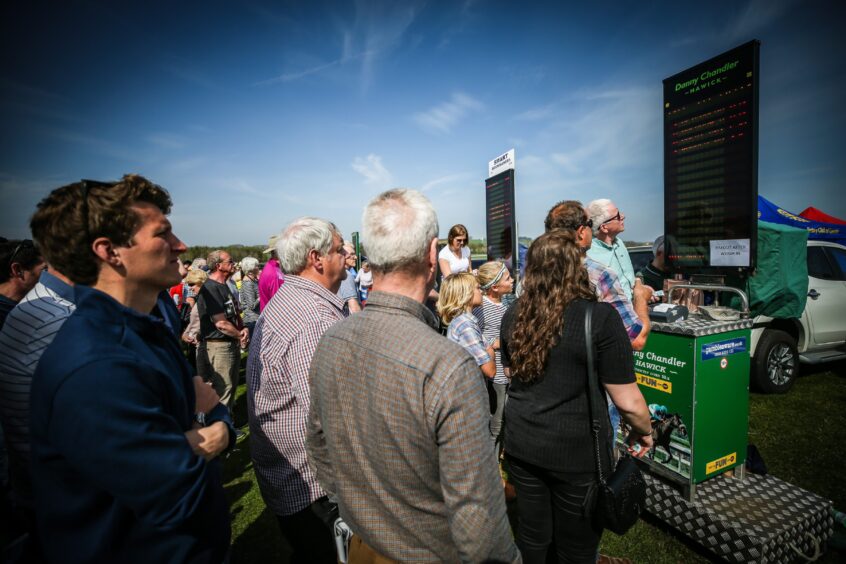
818, 336
778, 345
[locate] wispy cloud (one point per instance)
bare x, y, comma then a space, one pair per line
376, 30
26, 99
166, 140
374, 172
95, 144
460, 21
608, 130
443, 117
446, 180
536, 114
757, 15
185, 165
748, 22
188, 72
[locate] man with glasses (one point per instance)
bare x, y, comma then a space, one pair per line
348, 291
222, 329
22, 264
607, 248
312, 254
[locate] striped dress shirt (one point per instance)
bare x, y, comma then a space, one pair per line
398, 430
278, 390
28, 330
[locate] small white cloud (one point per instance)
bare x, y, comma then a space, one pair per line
447, 179
443, 117
568, 161
166, 140
373, 171
537, 114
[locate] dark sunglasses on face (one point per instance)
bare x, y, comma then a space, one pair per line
618, 217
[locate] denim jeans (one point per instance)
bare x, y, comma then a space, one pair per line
552, 512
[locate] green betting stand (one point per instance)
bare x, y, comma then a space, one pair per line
694, 375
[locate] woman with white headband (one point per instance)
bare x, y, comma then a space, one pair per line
496, 282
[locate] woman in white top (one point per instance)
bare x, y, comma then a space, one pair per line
455, 257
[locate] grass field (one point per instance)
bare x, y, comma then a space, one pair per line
796, 434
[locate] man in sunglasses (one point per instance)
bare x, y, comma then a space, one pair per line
607, 248
124, 439
22, 264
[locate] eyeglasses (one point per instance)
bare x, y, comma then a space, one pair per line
618, 217
460, 239
586, 223
26, 243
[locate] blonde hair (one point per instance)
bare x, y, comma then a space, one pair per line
196, 276
489, 272
456, 295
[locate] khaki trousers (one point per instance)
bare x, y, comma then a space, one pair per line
361, 553
218, 362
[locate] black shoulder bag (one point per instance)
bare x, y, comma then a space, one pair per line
620, 496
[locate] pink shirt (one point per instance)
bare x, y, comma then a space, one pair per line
270, 279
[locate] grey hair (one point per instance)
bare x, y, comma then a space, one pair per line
302, 236
248, 264
213, 260
198, 262
397, 229
658, 245
597, 210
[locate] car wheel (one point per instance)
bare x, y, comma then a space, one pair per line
776, 362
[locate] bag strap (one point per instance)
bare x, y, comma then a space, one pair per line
592, 383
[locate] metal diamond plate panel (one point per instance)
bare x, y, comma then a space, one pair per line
758, 519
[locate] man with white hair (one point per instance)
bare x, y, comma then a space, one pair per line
398, 427
311, 251
608, 249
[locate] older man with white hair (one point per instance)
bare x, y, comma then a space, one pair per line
398, 427
608, 249
311, 252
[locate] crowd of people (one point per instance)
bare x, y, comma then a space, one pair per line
374, 436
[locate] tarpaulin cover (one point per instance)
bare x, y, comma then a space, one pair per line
779, 287
768, 211
814, 214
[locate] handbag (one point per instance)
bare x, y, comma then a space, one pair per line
621, 494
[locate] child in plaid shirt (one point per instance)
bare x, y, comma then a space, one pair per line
460, 293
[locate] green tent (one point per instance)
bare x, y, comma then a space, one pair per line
779, 287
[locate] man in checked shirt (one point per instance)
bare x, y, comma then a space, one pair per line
398, 426
311, 251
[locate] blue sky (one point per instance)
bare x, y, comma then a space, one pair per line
252, 114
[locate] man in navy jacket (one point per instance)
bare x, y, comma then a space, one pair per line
124, 439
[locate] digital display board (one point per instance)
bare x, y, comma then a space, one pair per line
501, 222
711, 164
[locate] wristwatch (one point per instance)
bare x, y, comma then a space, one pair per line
200, 417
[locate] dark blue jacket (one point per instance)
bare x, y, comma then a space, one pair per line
113, 475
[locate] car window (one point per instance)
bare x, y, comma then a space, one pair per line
640, 258
819, 265
839, 256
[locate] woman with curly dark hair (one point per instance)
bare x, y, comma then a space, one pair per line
548, 441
